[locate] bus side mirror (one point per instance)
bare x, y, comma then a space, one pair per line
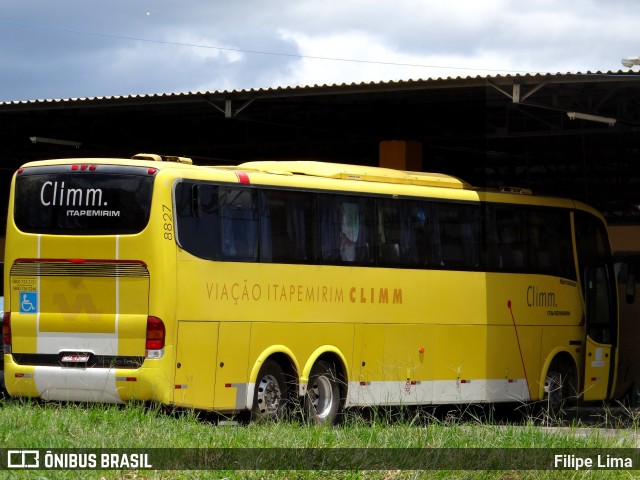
630, 291
624, 268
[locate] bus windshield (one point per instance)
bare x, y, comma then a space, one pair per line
58, 200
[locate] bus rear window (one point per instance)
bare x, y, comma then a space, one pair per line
116, 200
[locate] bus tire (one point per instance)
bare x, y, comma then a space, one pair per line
270, 394
553, 392
559, 391
633, 396
322, 402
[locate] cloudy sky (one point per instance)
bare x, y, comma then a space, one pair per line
88, 48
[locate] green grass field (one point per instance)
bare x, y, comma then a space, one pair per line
51, 426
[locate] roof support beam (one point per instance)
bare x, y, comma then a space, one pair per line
228, 107
516, 94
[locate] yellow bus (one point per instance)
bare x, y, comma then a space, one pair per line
244, 289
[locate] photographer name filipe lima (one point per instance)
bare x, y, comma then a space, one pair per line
577, 462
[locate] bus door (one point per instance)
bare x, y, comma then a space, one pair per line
600, 306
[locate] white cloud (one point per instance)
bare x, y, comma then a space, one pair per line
202, 48
95, 51
362, 57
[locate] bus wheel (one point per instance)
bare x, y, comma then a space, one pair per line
553, 392
559, 392
270, 393
322, 402
634, 396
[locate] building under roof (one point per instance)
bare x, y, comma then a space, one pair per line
574, 135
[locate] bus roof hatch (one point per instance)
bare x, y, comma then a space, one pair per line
159, 158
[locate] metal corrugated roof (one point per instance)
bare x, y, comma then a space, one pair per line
468, 81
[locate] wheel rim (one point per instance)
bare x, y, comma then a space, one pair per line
269, 395
322, 396
553, 390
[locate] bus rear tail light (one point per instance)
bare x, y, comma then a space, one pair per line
6, 332
155, 338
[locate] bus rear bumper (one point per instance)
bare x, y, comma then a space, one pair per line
100, 385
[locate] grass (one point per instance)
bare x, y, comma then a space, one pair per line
51, 426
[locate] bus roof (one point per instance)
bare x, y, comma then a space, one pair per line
384, 177
356, 172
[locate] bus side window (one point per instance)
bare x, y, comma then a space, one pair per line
512, 247
198, 222
493, 260
591, 241
365, 244
239, 224
349, 230
459, 235
330, 228
388, 233
549, 245
401, 233
511, 233
508, 235
346, 229
287, 227
420, 234
539, 244
527, 239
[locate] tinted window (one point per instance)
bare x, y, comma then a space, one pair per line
240, 223
455, 239
594, 252
591, 240
528, 240
114, 200
346, 229
198, 219
288, 227
550, 243
402, 233
217, 222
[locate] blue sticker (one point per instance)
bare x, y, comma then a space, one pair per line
28, 302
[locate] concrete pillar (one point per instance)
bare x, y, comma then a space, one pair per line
401, 155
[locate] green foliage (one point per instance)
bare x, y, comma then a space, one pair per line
32, 424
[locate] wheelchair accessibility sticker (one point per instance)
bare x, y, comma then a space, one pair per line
28, 302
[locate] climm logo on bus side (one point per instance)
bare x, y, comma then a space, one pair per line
537, 297
540, 298
85, 200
